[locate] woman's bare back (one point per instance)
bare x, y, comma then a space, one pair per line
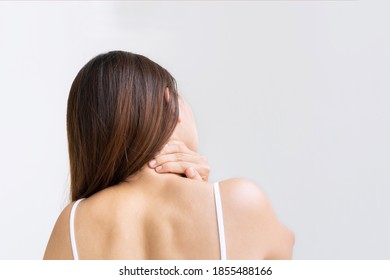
164, 216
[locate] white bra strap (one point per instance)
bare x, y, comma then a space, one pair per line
221, 230
71, 227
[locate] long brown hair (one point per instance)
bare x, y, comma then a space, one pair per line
117, 119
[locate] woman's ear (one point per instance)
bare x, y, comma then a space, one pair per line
180, 110
166, 94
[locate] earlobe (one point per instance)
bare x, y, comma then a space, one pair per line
180, 110
166, 94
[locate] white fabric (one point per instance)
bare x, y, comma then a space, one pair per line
71, 227
221, 229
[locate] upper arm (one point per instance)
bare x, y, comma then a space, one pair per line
250, 210
58, 246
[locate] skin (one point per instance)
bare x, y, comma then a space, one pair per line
156, 215
177, 158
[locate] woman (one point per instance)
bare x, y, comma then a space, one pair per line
122, 111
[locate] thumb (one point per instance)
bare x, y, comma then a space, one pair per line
192, 173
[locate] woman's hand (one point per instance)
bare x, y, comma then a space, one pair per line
175, 157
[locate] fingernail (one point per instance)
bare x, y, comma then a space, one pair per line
158, 168
152, 163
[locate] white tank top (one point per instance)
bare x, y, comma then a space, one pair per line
218, 207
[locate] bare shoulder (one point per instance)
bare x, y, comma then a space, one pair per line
247, 204
91, 216
58, 247
245, 196
242, 192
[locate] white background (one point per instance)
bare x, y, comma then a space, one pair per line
294, 95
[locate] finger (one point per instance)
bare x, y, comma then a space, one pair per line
173, 167
178, 157
180, 162
181, 167
192, 173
